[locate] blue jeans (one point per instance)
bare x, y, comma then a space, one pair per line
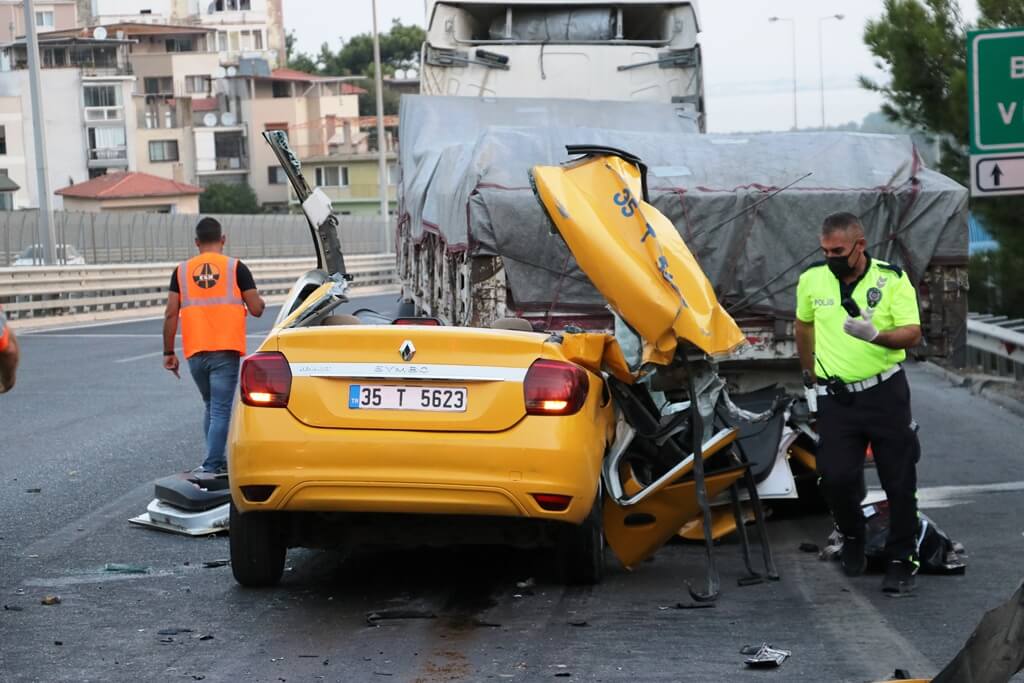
216, 375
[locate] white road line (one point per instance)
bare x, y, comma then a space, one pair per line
931, 497
135, 358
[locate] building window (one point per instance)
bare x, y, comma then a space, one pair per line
281, 88
232, 5
101, 96
107, 143
197, 85
222, 41
180, 45
257, 37
332, 176
164, 85
163, 150
246, 40
3, 140
276, 176
393, 174
44, 19
233, 41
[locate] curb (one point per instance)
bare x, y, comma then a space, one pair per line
978, 386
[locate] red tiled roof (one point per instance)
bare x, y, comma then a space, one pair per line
285, 74
126, 185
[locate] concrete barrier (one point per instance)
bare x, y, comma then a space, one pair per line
47, 296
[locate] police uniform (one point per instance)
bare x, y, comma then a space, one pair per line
875, 406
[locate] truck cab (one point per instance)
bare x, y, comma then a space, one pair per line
625, 50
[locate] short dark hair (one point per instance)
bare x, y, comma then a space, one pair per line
208, 230
842, 220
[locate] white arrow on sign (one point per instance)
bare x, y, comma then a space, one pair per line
999, 174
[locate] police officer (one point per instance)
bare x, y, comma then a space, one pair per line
853, 364
211, 293
8, 355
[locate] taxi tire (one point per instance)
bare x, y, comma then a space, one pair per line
258, 548
580, 550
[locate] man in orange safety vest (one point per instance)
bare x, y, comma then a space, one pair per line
211, 293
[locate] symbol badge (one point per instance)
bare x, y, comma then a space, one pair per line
874, 296
407, 350
206, 276
881, 282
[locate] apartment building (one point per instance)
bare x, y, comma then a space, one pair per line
51, 15
242, 29
89, 109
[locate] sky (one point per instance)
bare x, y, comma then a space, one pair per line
748, 61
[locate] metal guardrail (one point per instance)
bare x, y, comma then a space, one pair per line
53, 294
996, 344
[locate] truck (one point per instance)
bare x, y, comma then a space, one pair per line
474, 246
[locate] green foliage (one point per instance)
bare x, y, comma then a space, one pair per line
922, 45
368, 100
399, 49
996, 285
228, 198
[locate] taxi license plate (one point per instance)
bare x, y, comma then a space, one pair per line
378, 397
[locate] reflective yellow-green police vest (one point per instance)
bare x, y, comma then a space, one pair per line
884, 288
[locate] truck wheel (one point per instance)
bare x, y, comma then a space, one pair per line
258, 547
580, 551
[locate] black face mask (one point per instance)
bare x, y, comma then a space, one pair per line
840, 265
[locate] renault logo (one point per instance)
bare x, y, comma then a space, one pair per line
407, 350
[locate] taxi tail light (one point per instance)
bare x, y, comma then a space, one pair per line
552, 502
266, 380
553, 387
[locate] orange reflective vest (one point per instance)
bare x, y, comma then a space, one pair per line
212, 310
5, 335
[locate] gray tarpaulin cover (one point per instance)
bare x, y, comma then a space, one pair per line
465, 176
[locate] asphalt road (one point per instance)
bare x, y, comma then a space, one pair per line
95, 419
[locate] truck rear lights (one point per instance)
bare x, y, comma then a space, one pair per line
553, 387
552, 502
266, 380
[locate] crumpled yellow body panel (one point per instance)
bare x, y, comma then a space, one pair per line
636, 532
597, 351
635, 257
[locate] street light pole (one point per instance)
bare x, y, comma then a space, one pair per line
382, 171
821, 61
47, 237
792, 27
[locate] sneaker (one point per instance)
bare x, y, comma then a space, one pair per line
852, 556
899, 577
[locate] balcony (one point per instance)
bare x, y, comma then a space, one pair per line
101, 114
108, 156
233, 163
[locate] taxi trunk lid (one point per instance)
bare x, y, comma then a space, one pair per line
332, 367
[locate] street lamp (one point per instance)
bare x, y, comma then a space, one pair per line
821, 60
382, 167
792, 27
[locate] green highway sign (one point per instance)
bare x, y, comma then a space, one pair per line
995, 85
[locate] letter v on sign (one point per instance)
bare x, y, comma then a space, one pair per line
1007, 113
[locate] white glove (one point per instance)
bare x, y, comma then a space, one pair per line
863, 328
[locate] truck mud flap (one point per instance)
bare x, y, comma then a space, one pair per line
636, 532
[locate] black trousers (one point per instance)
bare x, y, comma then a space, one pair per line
880, 416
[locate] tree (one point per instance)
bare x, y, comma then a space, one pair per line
228, 198
300, 61
922, 45
399, 50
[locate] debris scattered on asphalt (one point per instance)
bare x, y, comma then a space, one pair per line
33, 490
809, 548
528, 583
764, 656
50, 600
168, 639
309, 656
13, 608
205, 636
579, 623
485, 624
120, 568
58, 642
173, 631
563, 674
695, 605
380, 615
277, 659
382, 673
901, 675
213, 564
198, 677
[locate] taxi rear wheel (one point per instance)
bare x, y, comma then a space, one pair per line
580, 550
258, 548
